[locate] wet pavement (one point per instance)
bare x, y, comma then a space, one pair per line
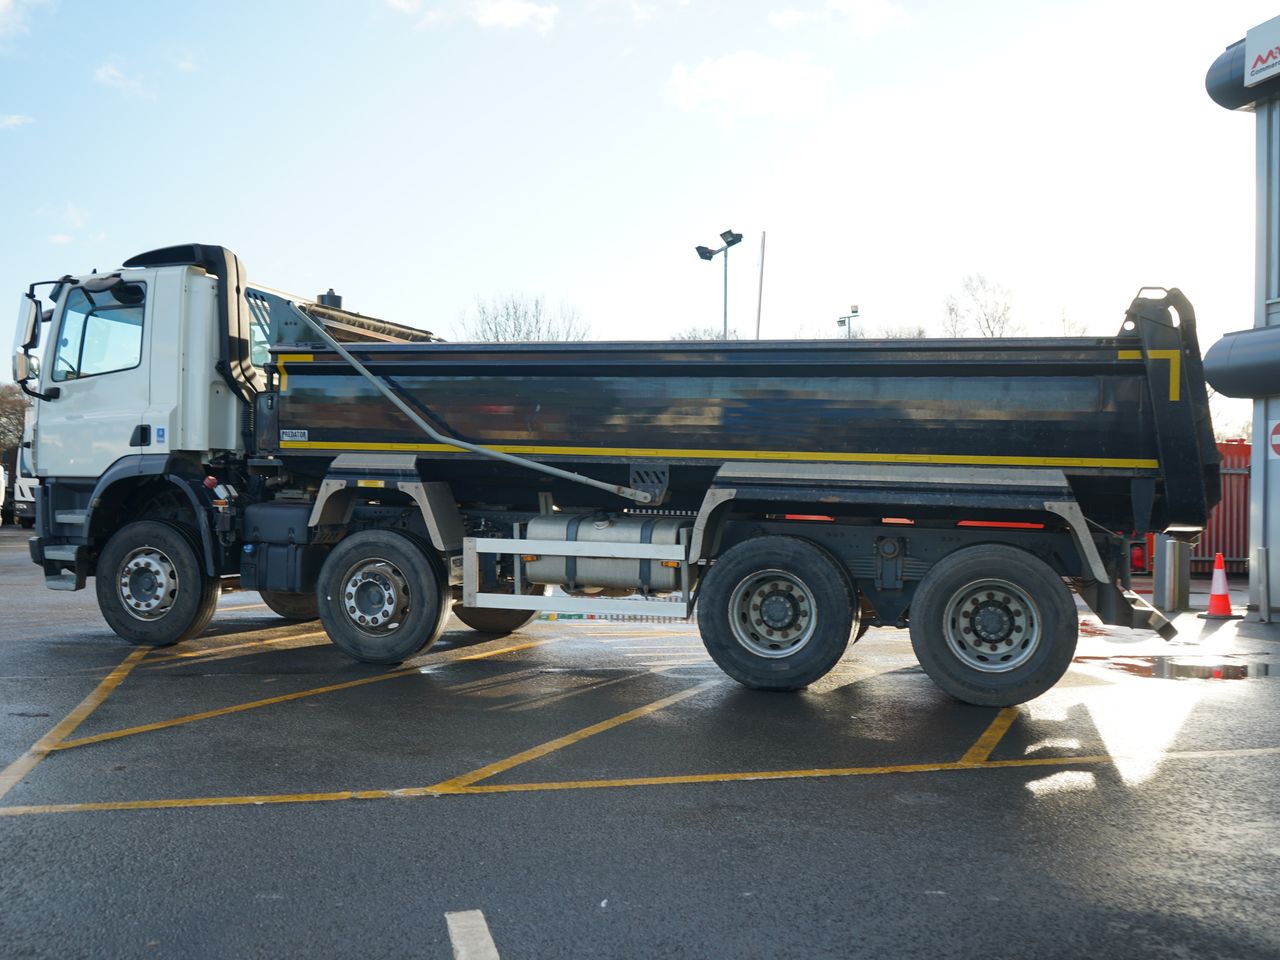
601, 790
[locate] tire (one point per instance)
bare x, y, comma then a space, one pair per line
1026, 613
291, 606
383, 596
810, 611
151, 585
498, 622
27, 522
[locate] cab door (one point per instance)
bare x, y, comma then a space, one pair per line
98, 367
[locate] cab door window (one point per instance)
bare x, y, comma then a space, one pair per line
101, 332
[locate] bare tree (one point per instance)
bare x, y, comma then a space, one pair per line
986, 307
514, 317
910, 331
13, 409
1071, 328
954, 322
705, 333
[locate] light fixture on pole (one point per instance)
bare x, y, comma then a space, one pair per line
847, 321
706, 253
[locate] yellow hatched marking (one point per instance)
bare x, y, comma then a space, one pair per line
13, 774
689, 453
998, 727
261, 799
171, 659
733, 777
1175, 367
285, 698
534, 753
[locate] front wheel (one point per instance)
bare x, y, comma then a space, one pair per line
382, 596
993, 625
775, 613
152, 588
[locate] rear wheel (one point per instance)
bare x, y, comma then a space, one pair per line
775, 613
291, 606
993, 625
499, 622
382, 596
151, 585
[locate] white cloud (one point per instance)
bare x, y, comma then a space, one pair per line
510, 14
866, 17
10, 120
789, 17
60, 239
642, 12
404, 6
110, 75
869, 17
13, 17
184, 62
746, 84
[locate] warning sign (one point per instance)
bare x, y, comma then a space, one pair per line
1274, 452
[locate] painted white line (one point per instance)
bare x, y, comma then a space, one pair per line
470, 936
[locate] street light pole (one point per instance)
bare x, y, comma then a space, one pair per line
725, 334
706, 253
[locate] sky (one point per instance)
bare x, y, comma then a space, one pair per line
419, 154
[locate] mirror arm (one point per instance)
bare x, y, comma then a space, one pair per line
53, 393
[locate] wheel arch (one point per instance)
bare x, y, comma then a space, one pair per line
150, 487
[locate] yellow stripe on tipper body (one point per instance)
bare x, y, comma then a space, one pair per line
1175, 367
960, 459
283, 358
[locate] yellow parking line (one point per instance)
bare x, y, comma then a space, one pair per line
981, 750
12, 774
733, 777
170, 658
285, 698
481, 788
500, 766
537, 702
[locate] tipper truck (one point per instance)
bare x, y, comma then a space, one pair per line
195, 432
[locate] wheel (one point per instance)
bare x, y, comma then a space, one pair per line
775, 613
498, 622
151, 585
27, 522
993, 625
382, 596
291, 606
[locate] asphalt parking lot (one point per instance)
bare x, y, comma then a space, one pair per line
601, 790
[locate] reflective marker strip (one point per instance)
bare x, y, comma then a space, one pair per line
973, 460
1175, 367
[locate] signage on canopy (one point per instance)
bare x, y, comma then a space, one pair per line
1262, 53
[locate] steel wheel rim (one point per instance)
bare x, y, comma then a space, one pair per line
992, 625
375, 596
147, 583
772, 614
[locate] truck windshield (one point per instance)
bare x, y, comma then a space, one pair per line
101, 332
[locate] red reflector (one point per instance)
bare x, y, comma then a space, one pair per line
1137, 557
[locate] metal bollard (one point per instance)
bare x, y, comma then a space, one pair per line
1172, 574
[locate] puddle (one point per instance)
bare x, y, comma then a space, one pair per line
1222, 667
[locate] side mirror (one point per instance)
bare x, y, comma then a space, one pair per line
29, 321
21, 367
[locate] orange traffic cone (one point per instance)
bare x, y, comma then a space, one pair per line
1219, 598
